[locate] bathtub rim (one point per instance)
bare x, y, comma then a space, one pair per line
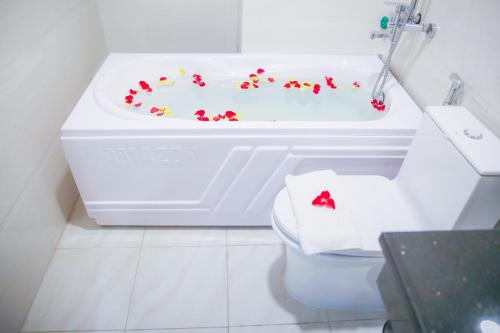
88, 118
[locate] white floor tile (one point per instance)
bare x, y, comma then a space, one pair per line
184, 236
341, 315
252, 236
185, 330
180, 287
256, 292
83, 232
85, 289
359, 326
297, 328
112, 331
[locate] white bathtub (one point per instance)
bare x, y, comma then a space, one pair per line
134, 168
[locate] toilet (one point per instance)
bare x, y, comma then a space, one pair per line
450, 179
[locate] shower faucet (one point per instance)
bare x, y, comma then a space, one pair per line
403, 19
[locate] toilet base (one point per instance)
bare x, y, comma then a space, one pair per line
331, 281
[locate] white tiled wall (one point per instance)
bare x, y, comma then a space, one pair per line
467, 42
171, 26
49, 51
313, 26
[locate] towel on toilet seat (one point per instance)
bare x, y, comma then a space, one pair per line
320, 228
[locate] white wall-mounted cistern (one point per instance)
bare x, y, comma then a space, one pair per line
403, 19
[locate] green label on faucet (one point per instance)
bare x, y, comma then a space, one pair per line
383, 22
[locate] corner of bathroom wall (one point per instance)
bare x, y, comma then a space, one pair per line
43, 72
464, 44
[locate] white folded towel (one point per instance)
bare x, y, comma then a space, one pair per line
322, 229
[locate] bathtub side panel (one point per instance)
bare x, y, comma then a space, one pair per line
209, 179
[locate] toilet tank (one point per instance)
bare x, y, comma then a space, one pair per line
451, 174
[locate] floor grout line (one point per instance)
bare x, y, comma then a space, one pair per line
135, 281
227, 280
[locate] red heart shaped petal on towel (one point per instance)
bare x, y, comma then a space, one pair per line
330, 203
324, 199
318, 201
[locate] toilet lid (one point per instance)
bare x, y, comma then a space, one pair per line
286, 222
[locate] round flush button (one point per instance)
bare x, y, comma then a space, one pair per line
473, 134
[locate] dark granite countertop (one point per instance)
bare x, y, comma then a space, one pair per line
450, 280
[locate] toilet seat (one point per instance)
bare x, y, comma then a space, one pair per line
377, 206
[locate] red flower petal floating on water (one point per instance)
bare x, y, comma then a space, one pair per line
144, 85
260, 71
129, 99
378, 105
329, 82
356, 84
133, 92
230, 114
316, 88
138, 105
163, 78
270, 79
198, 80
245, 85
154, 109
287, 85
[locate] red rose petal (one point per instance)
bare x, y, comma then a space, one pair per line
163, 78
202, 84
330, 203
144, 85
230, 114
200, 113
325, 194
132, 91
260, 71
318, 201
270, 79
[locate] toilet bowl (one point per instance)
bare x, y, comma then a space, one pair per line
450, 179
333, 280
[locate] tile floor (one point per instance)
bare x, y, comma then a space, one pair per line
175, 280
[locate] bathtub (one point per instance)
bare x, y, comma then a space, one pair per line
135, 167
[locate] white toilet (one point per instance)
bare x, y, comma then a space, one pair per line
450, 179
